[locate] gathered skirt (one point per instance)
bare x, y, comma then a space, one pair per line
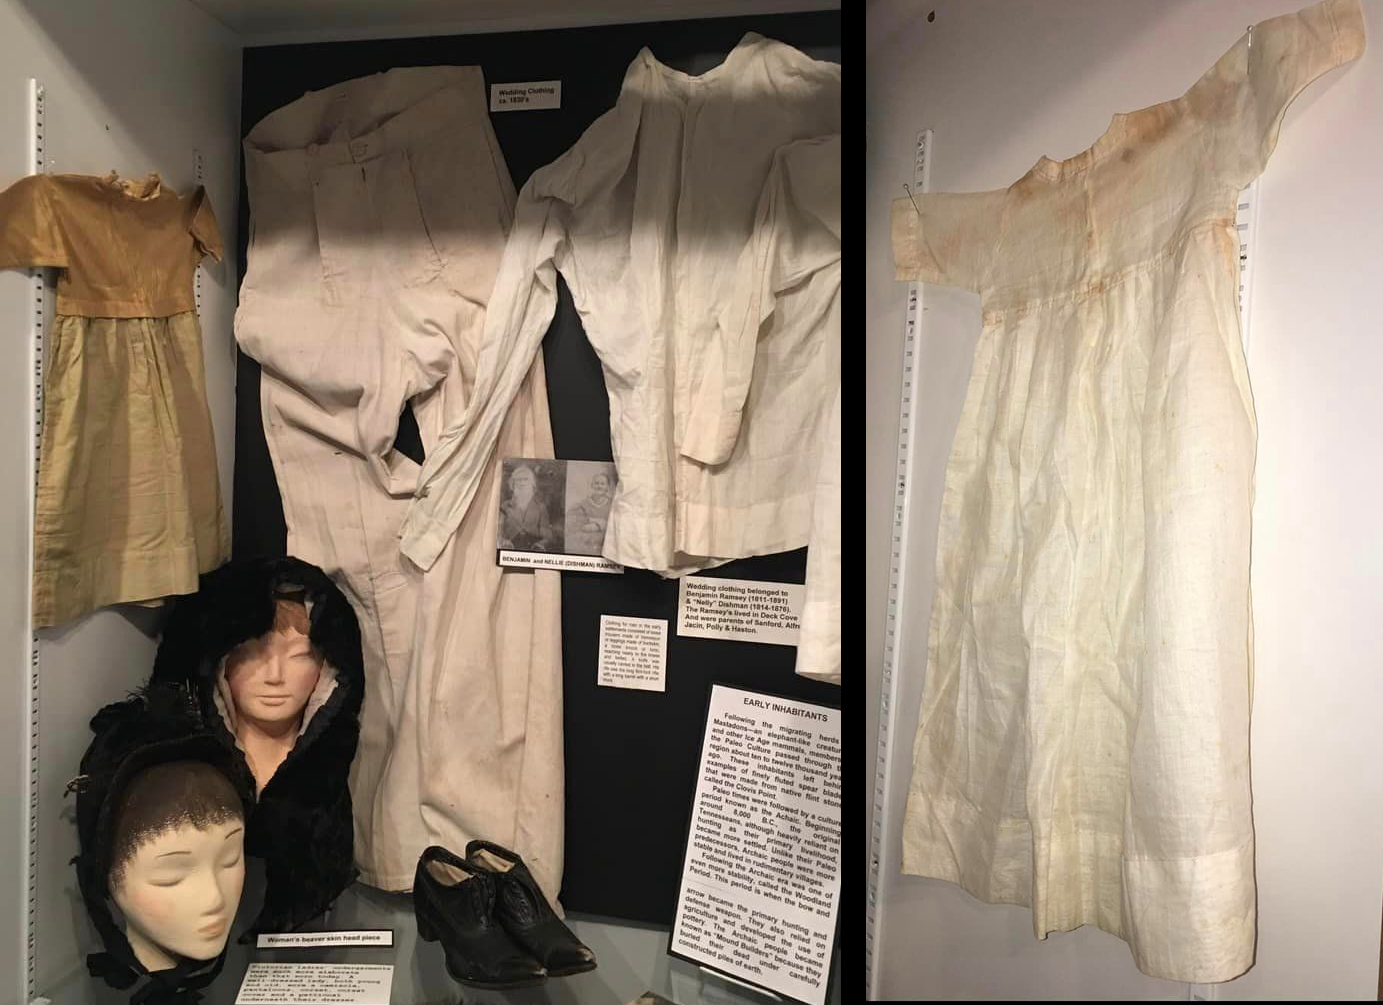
128, 503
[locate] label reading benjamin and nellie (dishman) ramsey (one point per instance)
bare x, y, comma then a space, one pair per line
524, 97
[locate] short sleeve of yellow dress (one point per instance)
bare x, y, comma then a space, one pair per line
31, 236
1083, 740
128, 501
203, 227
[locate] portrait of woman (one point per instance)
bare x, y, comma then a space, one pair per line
592, 485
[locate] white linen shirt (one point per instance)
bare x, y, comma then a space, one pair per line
779, 336
818, 644
647, 218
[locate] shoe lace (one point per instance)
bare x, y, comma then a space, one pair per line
481, 893
518, 903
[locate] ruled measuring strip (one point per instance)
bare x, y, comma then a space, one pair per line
878, 861
37, 164
197, 272
1246, 225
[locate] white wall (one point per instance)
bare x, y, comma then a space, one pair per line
133, 86
1003, 83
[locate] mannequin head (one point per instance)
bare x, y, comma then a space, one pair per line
177, 864
272, 677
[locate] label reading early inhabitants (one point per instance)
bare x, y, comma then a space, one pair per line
761, 877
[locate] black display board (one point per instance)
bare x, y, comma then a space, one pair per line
631, 756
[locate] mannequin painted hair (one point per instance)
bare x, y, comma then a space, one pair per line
164, 797
150, 766
290, 614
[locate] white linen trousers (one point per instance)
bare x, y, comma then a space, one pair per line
379, 211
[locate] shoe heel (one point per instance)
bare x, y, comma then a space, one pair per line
425, 930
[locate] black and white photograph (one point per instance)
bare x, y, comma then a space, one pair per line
532, 505
554, 514
590, 489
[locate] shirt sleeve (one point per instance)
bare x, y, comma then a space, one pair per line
818, 646
796, 238
946, 238
1245, 95
30, 231
204, 229
520, 309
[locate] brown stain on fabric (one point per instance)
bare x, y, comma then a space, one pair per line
1025, 187
1212, 97
1147, 126
1069, 210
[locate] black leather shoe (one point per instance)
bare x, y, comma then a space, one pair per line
525, 913
455, 905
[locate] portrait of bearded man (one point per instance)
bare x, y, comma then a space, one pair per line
524, 523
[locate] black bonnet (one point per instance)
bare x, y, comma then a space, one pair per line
302, 823
153, 727
235, 603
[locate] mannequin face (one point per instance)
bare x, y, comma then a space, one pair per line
180, 890
522, 483
272, 677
